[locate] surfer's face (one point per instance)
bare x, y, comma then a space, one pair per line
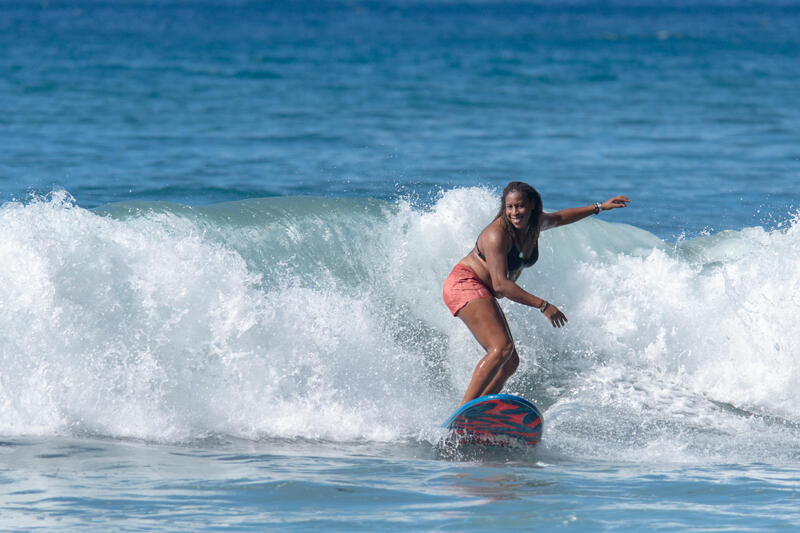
518, 210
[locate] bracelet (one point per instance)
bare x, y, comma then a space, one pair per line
597, 208
544, 306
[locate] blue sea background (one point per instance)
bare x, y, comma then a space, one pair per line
225, 226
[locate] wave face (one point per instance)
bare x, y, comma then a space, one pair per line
322, 318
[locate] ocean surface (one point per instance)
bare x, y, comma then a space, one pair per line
224, 228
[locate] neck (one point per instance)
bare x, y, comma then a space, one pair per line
516, 235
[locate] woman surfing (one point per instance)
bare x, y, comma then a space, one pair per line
509, 244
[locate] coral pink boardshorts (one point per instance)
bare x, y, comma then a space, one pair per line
461, 287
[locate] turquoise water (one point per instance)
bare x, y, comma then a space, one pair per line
225, 227
362, 487
692, 108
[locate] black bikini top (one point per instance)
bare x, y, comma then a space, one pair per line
514, 260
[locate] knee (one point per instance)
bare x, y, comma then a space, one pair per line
511, 363
503, 353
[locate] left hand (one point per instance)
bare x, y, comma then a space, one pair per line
615, 202
555, 316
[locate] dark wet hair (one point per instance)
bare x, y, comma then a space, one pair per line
531, 196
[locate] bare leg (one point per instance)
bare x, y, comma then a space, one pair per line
486, 321
506, 371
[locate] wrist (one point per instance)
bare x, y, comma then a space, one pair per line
543, 306
597, 208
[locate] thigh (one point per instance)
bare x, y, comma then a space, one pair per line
486, 321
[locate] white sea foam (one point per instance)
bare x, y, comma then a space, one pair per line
323, 319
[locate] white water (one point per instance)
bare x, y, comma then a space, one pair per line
287, 318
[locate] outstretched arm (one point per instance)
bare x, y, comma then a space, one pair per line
574, 214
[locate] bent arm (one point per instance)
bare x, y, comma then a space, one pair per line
496, 246
574, 214
514, 292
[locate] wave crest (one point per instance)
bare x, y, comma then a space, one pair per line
322, 318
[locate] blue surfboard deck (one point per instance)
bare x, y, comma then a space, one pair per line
496, 420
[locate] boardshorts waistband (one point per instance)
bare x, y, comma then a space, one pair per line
461, 287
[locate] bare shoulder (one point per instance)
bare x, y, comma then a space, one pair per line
494, 236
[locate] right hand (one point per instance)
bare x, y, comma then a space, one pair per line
613, 203
555, 316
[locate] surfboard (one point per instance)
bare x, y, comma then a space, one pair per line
496, 420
